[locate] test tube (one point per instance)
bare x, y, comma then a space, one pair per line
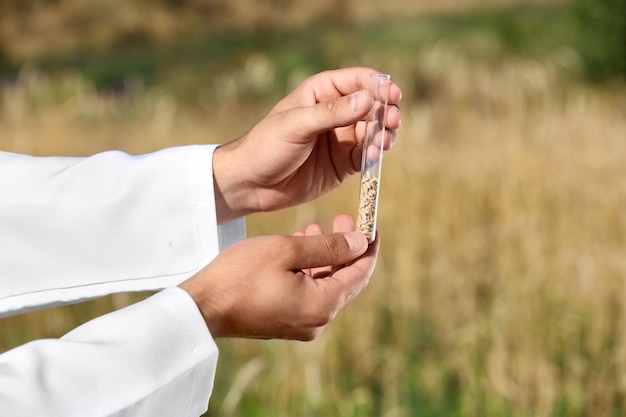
372, 159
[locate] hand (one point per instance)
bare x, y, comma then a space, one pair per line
308, 144
284, 287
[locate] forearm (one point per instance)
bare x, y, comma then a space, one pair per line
78, 228
153, 358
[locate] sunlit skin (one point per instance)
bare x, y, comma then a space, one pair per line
284, 287
307, 145
290, 287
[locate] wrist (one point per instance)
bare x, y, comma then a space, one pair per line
207, 309
232, 194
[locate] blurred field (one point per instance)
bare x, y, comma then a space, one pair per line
501, 282
30, 28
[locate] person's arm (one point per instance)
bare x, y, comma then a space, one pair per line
157, 357
154, 358
72, 229
149, 222
77, 228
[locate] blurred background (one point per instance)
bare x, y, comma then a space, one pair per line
501, 284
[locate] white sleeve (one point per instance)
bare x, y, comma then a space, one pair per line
73, 229
154, 358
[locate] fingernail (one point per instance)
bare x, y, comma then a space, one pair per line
357, 101
392, 136
356, 240
395, 87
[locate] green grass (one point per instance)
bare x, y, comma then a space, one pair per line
182, 62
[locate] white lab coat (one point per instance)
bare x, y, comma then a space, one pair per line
73, 229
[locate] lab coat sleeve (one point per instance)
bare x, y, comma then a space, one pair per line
154, 358
73, 229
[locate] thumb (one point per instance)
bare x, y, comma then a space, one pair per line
327, 249
338, 112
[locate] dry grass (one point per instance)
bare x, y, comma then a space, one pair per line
503, 269
502, 275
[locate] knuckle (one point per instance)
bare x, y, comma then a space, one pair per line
286, 246
320, 317
330, 108
332, 245
283, 243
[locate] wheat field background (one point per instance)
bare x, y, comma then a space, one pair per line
501, 283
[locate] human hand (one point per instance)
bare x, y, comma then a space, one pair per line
308, 144
283, 287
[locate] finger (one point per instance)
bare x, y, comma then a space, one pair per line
357, 156
393, 119
346, 283
321, 250
335, 83
323, 271
331, 114
313, 229
329, 84
395, 93
343, 223
326, 297
341, 82
385, 138
390, 139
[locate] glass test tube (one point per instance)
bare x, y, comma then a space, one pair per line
372, 159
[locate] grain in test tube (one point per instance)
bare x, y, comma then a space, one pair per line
371, 162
